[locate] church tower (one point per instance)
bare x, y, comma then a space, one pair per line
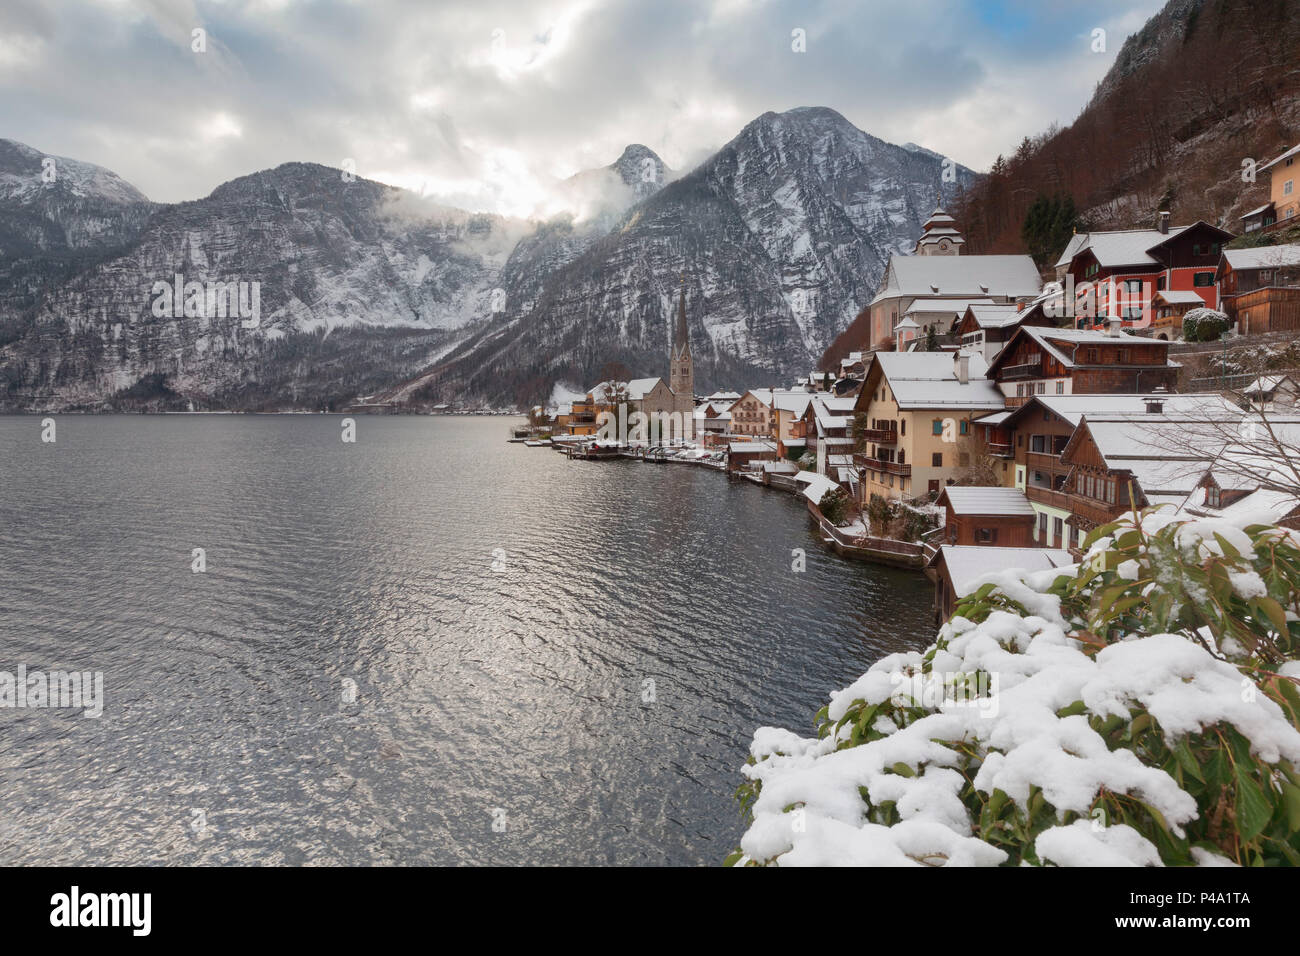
681, 372
940, 236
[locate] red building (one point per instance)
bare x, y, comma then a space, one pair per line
1119, 273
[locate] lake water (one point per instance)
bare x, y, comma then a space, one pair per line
427, 646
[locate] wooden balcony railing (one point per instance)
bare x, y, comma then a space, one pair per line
879, 464
880, 436
1053, 499
1027, 370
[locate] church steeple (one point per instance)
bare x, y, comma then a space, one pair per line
681, 371
940, 235
681, 337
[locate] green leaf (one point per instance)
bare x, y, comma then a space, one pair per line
1183, 753
1253, 808
903, 770
1276, 616
1291, 800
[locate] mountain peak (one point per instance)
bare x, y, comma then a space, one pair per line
641, 168
23, 176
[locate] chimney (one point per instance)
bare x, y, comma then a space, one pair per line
1164, 222
1114, 326
962, 361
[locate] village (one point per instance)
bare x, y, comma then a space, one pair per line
991, 420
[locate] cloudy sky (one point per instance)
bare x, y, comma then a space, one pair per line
487, 102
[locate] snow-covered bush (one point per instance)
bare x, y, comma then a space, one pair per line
834, 506
807, 461
1138, 709
1204, 325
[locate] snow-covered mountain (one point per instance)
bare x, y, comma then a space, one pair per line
780, 238
368, 290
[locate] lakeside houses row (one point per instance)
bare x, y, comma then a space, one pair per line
1025, 414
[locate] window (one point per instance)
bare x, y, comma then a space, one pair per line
1038, 444
1203, 280
1121, 357
1287, 187
1090, 490
1212, 497
1196, 249
936, 427
1110, 491
902, 427
1058, 527
965, 426
1160, 284
986, 535
1042, 387
1060, 388
1265, 275
936, 460
1091, 356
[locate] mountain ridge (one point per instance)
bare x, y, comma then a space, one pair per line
369, 289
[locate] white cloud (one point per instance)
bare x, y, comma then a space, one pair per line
492, 101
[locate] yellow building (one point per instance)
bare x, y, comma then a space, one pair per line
918, 409
1283, 206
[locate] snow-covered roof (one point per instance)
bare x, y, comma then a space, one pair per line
825, 409
639, 388
1124, 247
993, 316
1180, 297
1071, 408
906, 323
792, 401
1293, 151
987, 501
1060, 343
1262, 506
751, 447
723, 397
1263, 257
959, 276
780, 467
969, 566
919, 380
764, 395
1265, 384
1255, 212
815, 485
955, 307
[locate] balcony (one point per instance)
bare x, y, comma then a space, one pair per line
879, 464
880, 436
1027, 370
1042, 461
1000, 449
1052, 499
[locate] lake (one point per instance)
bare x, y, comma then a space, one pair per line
427, 646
